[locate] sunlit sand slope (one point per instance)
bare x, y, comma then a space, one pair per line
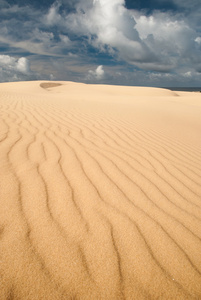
100, 192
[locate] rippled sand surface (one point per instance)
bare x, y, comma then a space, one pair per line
100, 192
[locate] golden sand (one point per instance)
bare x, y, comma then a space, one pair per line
100, 192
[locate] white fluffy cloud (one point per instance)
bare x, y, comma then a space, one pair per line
98, 74
22, 65
171, 40
13, 69
161, 26
110, 27
52, 18
157, 42
198, 40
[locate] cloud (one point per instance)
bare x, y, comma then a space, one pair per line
67, 38
171, 39
98, 74
22, 65
12, 69
198, 40
158, 42
109, 26
53, 17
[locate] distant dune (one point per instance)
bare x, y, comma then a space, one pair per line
100, 192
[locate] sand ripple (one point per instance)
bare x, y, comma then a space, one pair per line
100, 192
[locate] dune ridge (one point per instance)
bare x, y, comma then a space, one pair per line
100, 192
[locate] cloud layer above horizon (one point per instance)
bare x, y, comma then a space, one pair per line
100, 41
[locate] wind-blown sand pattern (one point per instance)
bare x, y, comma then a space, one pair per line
100, 192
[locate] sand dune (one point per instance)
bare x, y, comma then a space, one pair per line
100, 192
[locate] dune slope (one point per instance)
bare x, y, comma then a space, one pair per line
100, 192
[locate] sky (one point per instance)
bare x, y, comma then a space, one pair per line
123, 42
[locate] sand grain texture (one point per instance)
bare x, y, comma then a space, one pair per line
100, 192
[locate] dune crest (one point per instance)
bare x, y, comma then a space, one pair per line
100, 192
